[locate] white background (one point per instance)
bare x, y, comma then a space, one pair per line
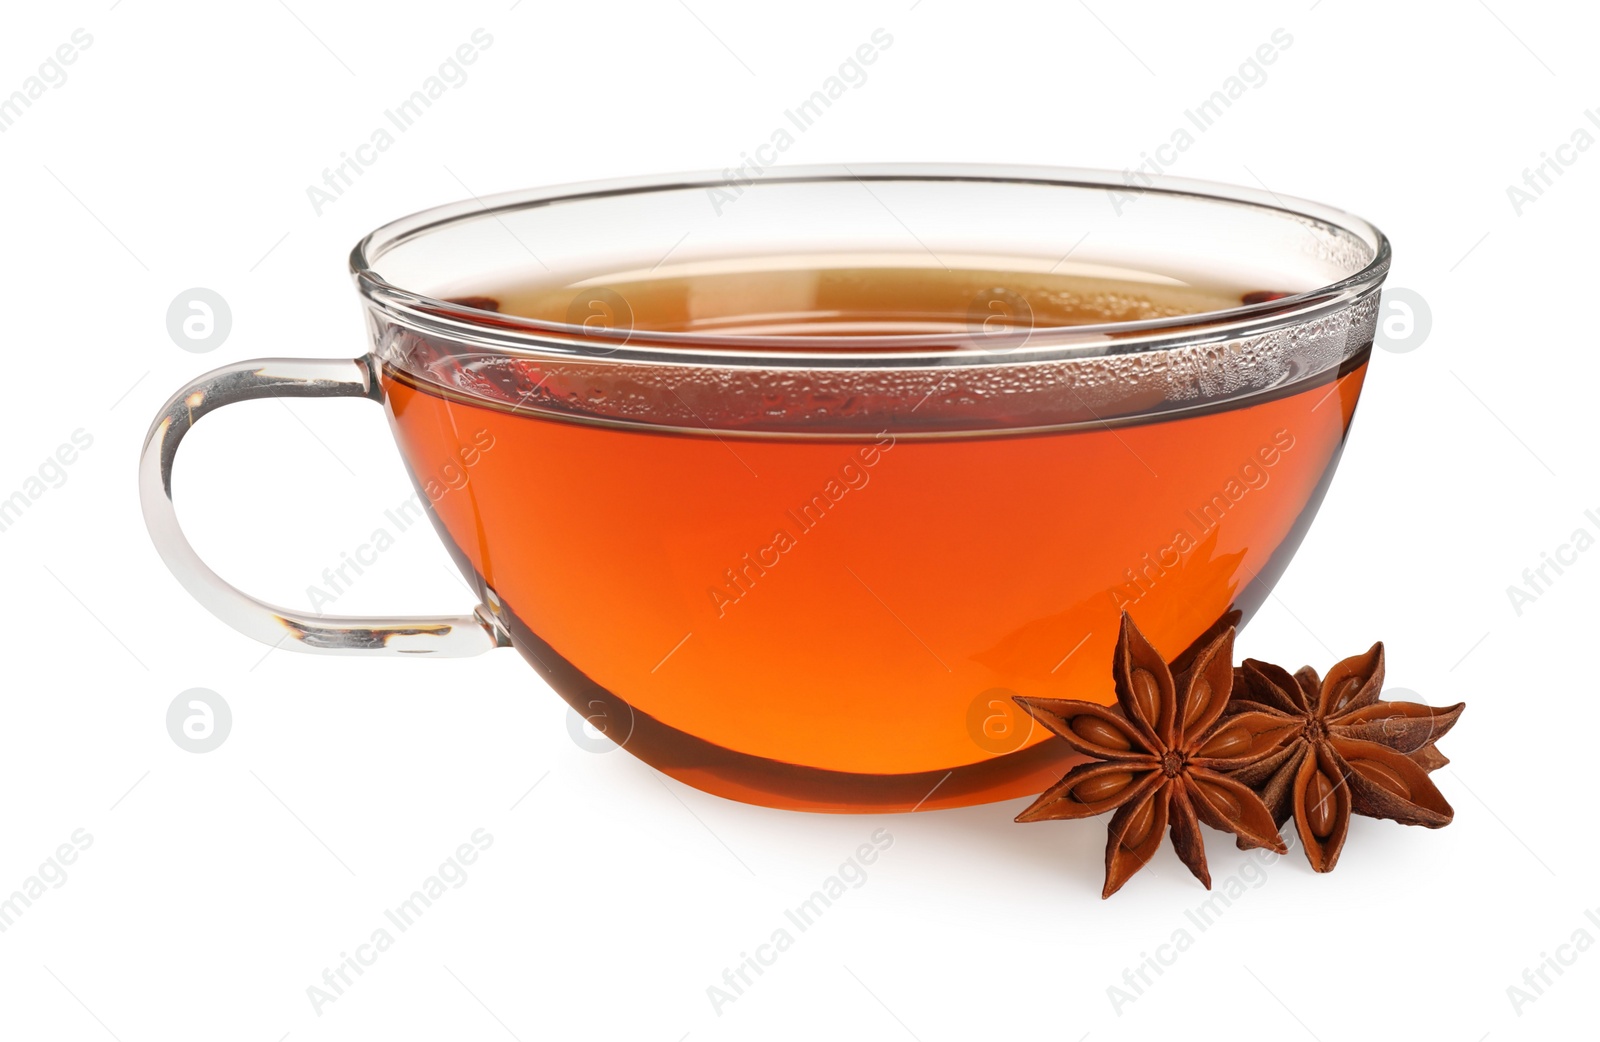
219, 886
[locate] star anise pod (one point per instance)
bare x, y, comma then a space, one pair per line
1154, 759
1333, 748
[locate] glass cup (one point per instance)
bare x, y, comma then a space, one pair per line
802, 553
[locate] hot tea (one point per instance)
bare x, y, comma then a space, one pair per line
789, 605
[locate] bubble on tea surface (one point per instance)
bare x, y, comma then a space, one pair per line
199, 320
199, 720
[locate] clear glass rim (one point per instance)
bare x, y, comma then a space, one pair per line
514, 335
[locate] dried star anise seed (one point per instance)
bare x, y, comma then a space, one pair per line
1185, 660
1328, 747
1429, 758
1155, 759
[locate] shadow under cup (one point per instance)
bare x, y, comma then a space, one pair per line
797, 539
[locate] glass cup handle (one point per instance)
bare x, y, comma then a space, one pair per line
451, 636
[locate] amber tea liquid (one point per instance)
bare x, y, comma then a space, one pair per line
839, 623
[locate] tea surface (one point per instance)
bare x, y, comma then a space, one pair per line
825, 296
